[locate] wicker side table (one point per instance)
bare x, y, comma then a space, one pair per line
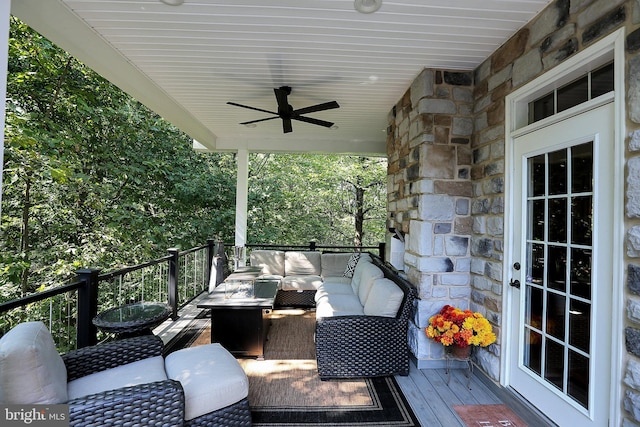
132, 319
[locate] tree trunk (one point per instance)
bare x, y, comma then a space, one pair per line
359, 216
24, 241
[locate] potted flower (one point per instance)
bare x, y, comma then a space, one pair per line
459, 330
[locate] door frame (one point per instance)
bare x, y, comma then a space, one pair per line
605, 50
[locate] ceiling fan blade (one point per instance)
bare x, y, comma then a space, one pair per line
259, 120
251, 108
313, 121
286, 125
281, 96
319, 107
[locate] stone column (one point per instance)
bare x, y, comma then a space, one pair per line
430, 193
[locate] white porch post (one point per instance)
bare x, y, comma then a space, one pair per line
5, 19
242, 198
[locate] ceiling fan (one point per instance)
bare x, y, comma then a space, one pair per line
287, 113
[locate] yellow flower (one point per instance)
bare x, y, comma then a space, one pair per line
460, 327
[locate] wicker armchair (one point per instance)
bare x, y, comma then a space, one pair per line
366, 346
124, 382
157, 403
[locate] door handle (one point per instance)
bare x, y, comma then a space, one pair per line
514, 283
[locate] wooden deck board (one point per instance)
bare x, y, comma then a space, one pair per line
432, 400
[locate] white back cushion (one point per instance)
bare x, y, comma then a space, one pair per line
334, 264
300, 263
31, 370
363, 262
272, 262
369, 274
384, 299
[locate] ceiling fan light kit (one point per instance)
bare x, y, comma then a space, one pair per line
367, 6
172, 2
287, 113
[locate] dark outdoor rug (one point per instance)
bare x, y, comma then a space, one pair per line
488, 415
285, 390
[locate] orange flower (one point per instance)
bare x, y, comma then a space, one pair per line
460, 327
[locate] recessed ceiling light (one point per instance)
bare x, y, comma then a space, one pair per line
367, 6
173, 2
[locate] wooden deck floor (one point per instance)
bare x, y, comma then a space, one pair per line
432, 399
427, 391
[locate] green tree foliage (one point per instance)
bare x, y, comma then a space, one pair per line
330, 199
92, 177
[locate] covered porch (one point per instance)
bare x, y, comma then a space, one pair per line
458, 98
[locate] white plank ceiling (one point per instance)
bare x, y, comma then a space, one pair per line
186, 62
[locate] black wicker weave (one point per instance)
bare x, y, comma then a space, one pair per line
295, 299
153, 404
236, 415
366, 346
88, 360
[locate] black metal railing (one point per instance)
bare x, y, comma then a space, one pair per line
177, 278
311, 246
69, 309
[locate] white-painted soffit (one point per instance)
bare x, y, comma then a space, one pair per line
185, 62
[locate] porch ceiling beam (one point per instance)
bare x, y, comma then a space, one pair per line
287, 144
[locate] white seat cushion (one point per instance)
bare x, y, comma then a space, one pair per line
301, 283
143, 371
31, 369
384, 299
339, 305
211, 377
329, 288
337, 281
324, 308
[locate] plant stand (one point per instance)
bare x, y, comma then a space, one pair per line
453, 353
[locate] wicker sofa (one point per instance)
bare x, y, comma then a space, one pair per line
362, 306
300, 272
361, 326
124, 382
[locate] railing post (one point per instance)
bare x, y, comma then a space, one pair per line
87, 333
173, 282
211, 247
382, 249
312, 245
221, 263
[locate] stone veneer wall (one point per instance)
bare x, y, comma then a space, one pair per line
562, 29
429, 158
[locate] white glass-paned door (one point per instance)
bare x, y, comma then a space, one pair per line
562, 239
